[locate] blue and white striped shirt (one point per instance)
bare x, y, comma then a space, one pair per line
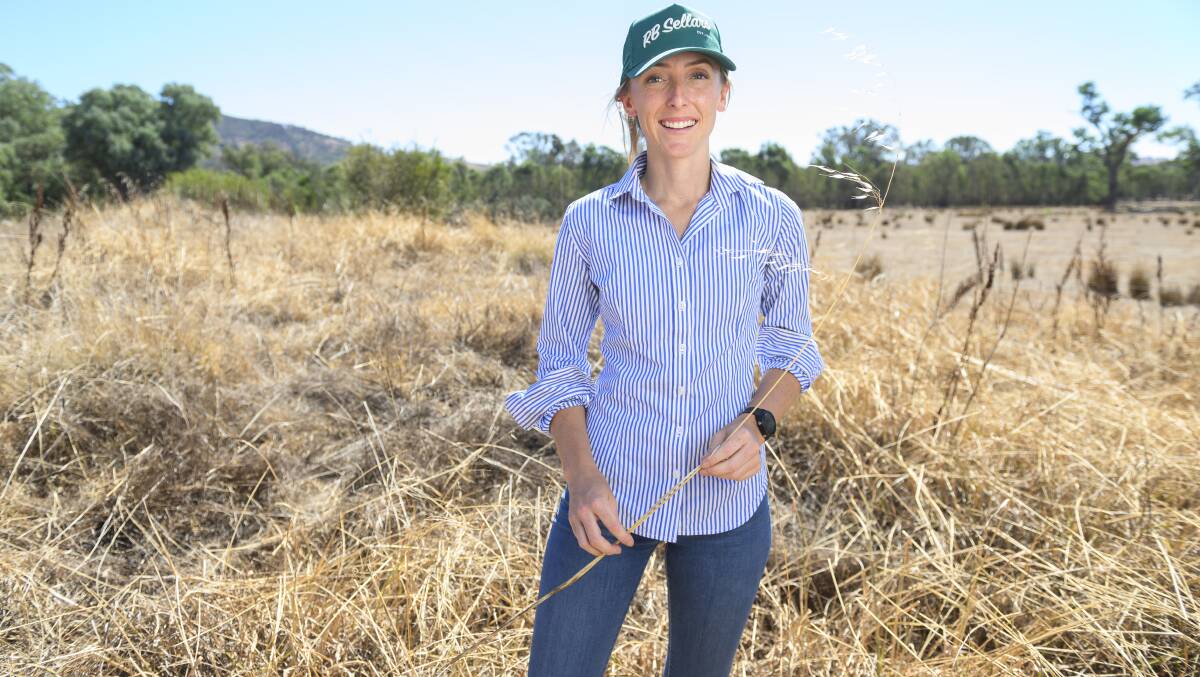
681, 338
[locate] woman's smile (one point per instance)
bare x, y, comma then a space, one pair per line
678, 124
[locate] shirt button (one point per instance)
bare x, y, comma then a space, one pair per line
675, 474
682, 347
681, 305
679, 262
679, 431
682, 390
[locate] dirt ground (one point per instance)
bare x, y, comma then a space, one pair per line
910, 242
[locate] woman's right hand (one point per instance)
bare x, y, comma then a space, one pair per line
591, 503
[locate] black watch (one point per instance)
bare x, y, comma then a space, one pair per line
764, 419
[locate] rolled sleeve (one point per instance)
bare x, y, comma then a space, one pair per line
785, 339
563, 377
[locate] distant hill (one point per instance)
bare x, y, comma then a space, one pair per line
306, 143
310, 145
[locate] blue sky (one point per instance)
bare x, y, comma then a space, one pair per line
465, 76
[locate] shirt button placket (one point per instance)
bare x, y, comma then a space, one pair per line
681, 372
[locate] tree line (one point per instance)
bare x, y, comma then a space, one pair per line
122, 140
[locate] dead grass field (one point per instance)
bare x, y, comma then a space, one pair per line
302, 465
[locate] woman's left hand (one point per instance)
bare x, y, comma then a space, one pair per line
734, 454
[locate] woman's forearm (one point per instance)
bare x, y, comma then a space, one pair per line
569, 430
781, 397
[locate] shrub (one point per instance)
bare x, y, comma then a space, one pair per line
1102, 279
1139, 284
1170, 296
1018, 272
208, 186
870, 267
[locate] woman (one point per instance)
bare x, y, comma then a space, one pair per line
678, 258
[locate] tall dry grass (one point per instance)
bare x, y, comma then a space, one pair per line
280, 447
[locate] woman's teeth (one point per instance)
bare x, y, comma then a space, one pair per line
679, 125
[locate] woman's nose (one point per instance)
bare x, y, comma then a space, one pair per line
675, 95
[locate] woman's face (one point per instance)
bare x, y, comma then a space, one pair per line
676, 101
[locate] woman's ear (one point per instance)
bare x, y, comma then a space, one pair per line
627, 105
723, 103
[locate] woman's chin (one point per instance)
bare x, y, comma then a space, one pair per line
680, 148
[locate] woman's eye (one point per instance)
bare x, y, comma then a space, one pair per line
653, 78
700, 74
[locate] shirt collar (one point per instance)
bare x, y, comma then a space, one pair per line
725, 181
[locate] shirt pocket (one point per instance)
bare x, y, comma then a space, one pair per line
736, 269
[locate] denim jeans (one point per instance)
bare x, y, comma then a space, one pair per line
711, 582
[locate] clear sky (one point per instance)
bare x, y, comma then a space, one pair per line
465, 76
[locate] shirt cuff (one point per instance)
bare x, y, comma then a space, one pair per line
778, 348
543, 423
556, 390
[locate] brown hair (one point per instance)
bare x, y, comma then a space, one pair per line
633, 130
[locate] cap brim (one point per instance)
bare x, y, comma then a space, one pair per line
724, 60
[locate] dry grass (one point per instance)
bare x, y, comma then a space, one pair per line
312, 470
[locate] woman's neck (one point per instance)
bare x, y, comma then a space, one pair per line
670, 180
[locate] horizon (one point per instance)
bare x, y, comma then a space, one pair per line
338, 74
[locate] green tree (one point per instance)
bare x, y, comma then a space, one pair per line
776, 164
944, 178
542, 149
254, 160
115, 135
365, 170
599, 166
859, 148
914, 153
1115, 133
31, 142
124, 136
187, 125
987, 181
968, 147
1189, 154
740, 158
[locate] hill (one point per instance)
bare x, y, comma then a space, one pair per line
306, 143
310, 145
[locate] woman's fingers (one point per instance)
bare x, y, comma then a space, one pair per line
747, 470
725, 457
727, 467
581, 537
608, 516
720, 454
742, 463
598, 542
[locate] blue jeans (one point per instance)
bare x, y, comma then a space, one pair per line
711, 583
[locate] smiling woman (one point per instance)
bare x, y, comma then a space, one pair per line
710, 63
679, 257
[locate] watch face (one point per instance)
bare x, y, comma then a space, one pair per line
765, 421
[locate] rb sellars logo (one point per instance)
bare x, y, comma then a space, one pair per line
688, 20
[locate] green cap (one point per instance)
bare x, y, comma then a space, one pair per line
674, 29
